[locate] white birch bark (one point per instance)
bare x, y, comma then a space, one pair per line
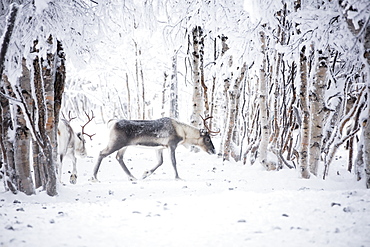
201, 70
366, 130
128, 98
138, 88
305, 128
234, 94
226, 82
174, 105
263, 104
197, 87
317, 112
164, 89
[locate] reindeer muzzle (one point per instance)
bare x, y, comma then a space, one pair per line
212, 151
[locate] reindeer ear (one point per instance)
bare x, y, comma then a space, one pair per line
203, 132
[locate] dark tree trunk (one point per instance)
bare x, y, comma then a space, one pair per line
23, 134
7, 146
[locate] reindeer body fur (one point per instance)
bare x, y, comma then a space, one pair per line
69, 144
162, 133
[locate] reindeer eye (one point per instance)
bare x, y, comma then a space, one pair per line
207, 139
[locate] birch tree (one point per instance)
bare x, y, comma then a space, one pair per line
231, 130
317, 110
263, 106
174, 104
23, 135
198, 106
303, 152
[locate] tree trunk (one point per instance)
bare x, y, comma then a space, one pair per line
263, 104
51, 126
142, 88
366, 138
234, 95
46, 129
276, 123
129, 115
201, 70
303, 153
38, 166
7, 146
318, 112
138, 88
174, 104
197, 87
60, 78
366, 131
164, 89
48, 79
23, 136
212, 109
22, 154
226, 80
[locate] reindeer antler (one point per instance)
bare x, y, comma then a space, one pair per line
69, 117
89, 120
211, 132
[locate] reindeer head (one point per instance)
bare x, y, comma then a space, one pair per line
206, 142
80, 141
205, 134
80, 147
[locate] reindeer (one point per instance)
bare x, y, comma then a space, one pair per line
161, 133
70, 144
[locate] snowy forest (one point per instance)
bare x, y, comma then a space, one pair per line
286, 82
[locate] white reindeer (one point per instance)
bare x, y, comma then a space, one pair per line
70, 144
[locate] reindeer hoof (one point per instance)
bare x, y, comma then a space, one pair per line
93, 179
146, 174
132, 179
73, 179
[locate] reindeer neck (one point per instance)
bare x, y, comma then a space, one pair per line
189, 133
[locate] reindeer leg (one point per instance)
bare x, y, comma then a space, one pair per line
119, 157
173, 159
159, 153
104, 153
94, 178
73, 177
59, 164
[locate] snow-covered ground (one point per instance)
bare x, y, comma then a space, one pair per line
215, 204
